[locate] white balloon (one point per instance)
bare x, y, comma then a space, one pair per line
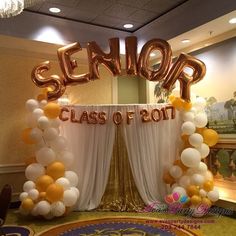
175, 171
202, 168
45, 156
184, 181
40, 145
33, 171
36, 134
195, 139
66, 157
204, 150
64, 182
43, 207
34, 194
188, 116
76, 190
49, 216
59, 144
197, 179
191, 171
200, 120
43, 122
58, 208
37, 113
28, 185
31, 104
202, 193
72, 177
188, 128
69, 197
179, 190
208, 175
31, 121
193, 110
50, 134
213, 195
43, 103
190, 157
55, 123
23, 196
199, 103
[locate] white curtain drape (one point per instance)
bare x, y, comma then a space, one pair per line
151, 147
92, 148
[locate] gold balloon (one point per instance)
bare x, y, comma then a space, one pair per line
195, 199
177, 73
43, 182
187, 105
54, 81
41, 97
67, 65
52, 110
208, 185
26, 136
192, 190
55, 170
206, 201
177, 103
110, 60
131, 55
210, 137
42, 196
143, 63
27, 204
54, 192
171, 98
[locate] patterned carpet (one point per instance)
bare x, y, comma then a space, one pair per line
151, 223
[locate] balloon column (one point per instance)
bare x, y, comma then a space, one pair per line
189, 175
51, 187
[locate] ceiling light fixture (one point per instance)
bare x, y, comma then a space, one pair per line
128, 26
232, 21
185, 41
54, 10
9, 8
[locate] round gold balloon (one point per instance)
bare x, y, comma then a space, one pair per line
27, 204
52, 110
43, 182
56, 170
208, 185
195, 199
26, 136
177, 103
54, 192
192, 190
210, 137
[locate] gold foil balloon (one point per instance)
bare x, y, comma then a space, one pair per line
210, 137
68, 65
43, 182
177, 73
27, 204
208, 185
192, 190
143, 63
195, 199
54, 192
56, 170
110, 60
56, 82
131, 55
52, 110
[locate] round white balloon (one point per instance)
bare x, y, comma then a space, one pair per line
58, 208
43, 103
43, 207
175, 171
202, 168
66, 158
197, 179
204, 150
28, 185
202, 193
64, 182
184, 181
23, 196
76, 190
34, 194
69, 197
38, 113
188, 116
55, 123
59, 144
33, 171
36, 134
199, 103
200, 120
31, 104
50, 134
188, 128
179, 190
43, 122
45, 156
72, 177
195, 139
213, 195
190, 157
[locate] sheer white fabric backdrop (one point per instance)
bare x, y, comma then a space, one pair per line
151, 147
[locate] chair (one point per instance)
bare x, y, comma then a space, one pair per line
5, 199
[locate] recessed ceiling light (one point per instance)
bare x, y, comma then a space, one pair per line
185, 41
232, 21
128, 26
152, 54
54, 10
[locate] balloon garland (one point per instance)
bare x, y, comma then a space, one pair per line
51, 187
189, 176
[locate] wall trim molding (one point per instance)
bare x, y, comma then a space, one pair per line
12, 168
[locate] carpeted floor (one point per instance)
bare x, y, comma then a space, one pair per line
209, 226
